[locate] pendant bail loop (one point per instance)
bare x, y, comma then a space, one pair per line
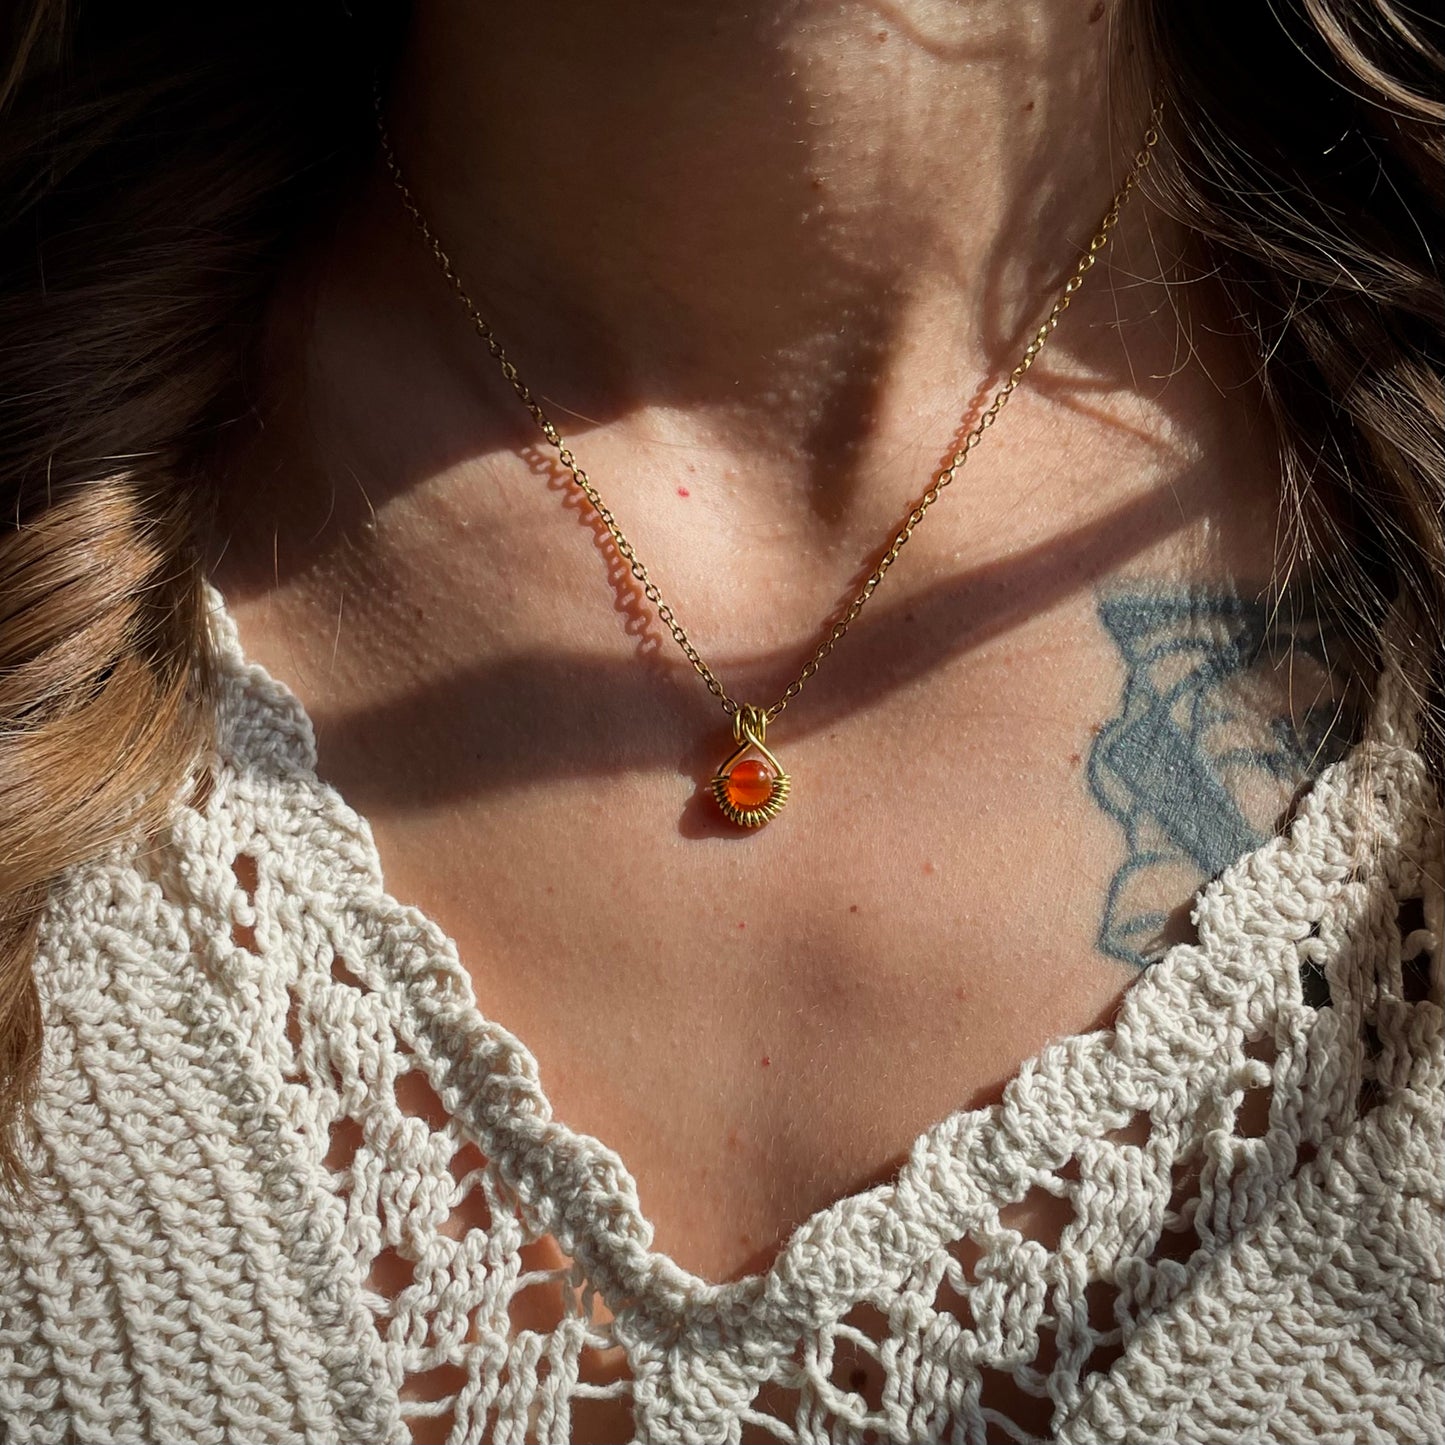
750, 724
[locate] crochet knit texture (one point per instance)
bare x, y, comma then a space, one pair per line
290, 1178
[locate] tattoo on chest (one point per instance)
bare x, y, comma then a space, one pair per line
1229, 707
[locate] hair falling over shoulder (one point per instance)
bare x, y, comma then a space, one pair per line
158, 165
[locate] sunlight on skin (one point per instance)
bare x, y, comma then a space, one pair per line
761, 345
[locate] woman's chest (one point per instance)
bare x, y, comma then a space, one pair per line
761, 1024
972, 862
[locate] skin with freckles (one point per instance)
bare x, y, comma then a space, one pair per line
763, 264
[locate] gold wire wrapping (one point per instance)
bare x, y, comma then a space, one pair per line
750, 727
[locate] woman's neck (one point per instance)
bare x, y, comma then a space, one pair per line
787, 248
773, 211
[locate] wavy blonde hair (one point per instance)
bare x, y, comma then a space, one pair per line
159, 168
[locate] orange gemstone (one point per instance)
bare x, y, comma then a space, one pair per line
750, 784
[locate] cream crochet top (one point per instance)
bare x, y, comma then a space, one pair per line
290, 1176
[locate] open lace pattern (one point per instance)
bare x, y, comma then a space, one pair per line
295, 1186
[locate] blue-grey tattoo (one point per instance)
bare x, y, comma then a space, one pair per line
1228, 708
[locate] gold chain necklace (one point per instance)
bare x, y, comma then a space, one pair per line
752, 791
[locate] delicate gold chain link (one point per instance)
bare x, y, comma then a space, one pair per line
945, 478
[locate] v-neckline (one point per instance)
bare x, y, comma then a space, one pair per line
958, 1171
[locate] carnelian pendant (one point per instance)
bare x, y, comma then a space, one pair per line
750, 791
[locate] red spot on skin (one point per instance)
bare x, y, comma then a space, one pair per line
734, 1143
742, 925
767, 1061
1076, 758
852, 908
1097, 13
1029, 105
683, 492
928, 868
550, 889
960, 993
